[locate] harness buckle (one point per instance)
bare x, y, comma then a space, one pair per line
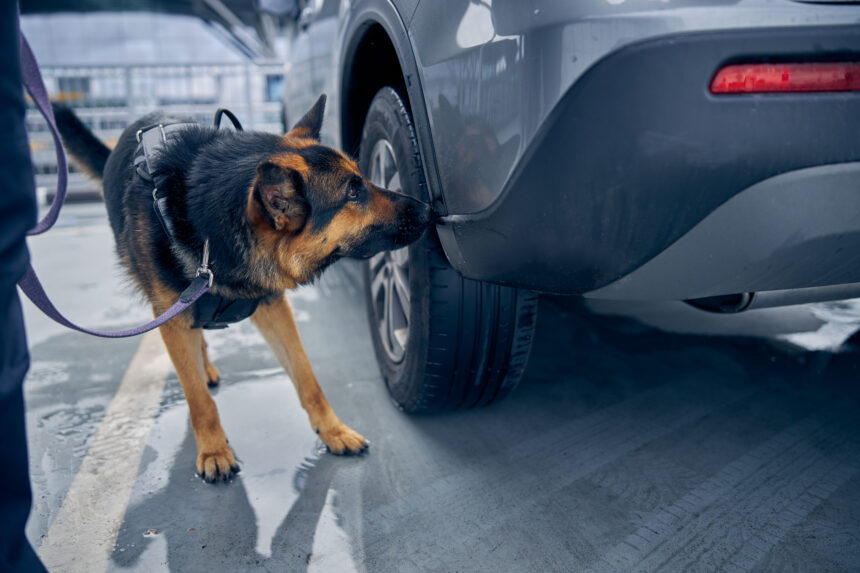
203, 270
207, 273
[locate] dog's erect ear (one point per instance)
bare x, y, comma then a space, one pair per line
279, 190
311, 124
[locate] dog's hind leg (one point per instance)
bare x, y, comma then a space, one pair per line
215, 459
212, 374
276, 323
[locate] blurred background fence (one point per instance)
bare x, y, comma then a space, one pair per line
108, 98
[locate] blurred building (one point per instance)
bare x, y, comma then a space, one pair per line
114, 67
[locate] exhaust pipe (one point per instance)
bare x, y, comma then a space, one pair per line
741, 302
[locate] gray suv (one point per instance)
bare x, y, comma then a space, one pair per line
706, 151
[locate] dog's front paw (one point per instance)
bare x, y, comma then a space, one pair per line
217, 463
342, 439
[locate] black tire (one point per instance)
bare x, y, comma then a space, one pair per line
467, 342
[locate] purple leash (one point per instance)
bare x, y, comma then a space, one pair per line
30, 284
36, 88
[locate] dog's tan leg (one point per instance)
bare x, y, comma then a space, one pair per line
214, 457
212, 374
276, 323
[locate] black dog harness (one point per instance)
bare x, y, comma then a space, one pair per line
210, 311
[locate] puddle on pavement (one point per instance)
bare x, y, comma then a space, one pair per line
280, 510
66, 401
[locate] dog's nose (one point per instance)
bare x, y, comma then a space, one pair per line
417, 214
426, 214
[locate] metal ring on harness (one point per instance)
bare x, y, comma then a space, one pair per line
203, 270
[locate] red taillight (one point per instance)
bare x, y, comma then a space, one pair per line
783, 78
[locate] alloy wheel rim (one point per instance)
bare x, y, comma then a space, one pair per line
389, 270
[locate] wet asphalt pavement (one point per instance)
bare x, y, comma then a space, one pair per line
641, 439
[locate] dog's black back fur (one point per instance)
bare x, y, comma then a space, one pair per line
276, 210
208, 173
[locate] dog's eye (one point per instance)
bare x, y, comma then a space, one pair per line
354, 191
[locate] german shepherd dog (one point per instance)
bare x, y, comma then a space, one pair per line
277, 210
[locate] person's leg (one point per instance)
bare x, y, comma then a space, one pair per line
17, 215
16, 554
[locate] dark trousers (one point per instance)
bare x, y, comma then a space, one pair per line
17, 214
16, 554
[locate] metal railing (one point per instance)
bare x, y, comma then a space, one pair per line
109, 98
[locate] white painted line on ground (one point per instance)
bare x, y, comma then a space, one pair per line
82, 536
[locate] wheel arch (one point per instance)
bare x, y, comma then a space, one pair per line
371, 65
378, 53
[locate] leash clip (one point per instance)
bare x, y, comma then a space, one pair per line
203, 270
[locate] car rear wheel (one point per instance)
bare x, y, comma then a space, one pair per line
442, 341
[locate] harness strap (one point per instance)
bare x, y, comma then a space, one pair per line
32, 79
210, 311
151, 141
233, 119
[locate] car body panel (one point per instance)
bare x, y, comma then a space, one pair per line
319, 44
501, 67
311, 66
563, 165
354, 23
606, 188
741, 246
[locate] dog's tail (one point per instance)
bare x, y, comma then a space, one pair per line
87, 150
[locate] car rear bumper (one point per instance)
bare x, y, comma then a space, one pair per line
797, 229
639, 157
